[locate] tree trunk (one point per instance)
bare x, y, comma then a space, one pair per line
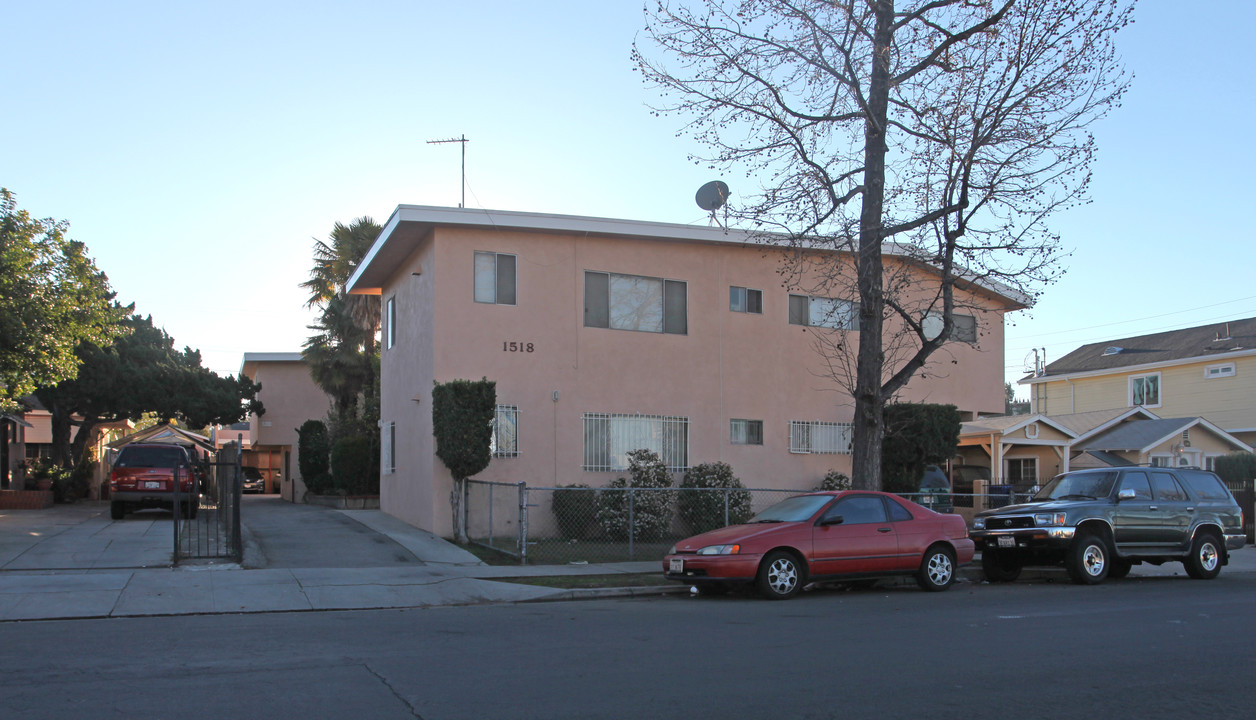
869, 401
61, 428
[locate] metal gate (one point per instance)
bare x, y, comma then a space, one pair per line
1244, 492
214, 531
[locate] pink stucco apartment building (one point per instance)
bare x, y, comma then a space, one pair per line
607, 335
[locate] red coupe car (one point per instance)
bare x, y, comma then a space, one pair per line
824, 536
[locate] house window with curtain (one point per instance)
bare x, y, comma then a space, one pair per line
745, 432
1145, 390
609, 437
505, 440
635, 302
963, 327
495, 278
823, 312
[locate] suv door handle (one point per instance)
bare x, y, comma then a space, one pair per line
1152, 507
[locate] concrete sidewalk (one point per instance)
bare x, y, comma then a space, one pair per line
86, 586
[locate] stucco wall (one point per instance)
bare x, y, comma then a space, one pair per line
729, 365
290, 397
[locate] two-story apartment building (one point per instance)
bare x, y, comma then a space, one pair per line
1207, 371
290, 397
604, 336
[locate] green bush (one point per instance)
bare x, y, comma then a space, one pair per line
1236, 467
575, 509
651, 510
703, 509
834, 480
462, 421
314, 452
351, 467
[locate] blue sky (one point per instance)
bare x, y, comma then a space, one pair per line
198, 150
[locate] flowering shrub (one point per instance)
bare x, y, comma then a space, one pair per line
651, 510
703, 509
834, 480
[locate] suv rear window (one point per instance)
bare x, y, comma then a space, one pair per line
1206, 485
150, 457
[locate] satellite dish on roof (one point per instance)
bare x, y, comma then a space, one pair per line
712, 196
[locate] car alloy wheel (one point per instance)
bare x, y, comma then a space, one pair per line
1088, 560
780, 577
1204, 562
937, 571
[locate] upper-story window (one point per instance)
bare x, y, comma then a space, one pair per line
495, 278
745, 300
634, 302
390, 323
823, 312
963, 327
1145, 390
1219, 371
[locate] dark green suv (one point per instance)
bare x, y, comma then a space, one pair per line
1100, 523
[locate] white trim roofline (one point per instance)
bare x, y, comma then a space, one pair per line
365, 278
1139, 410
1129, 369
1243, 447
1042, 419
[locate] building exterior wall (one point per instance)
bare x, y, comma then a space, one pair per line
1185, 391
728, 365
290, 397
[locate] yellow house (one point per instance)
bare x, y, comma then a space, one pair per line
1201, 372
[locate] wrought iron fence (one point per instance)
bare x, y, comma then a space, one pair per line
1244, 492
213, 531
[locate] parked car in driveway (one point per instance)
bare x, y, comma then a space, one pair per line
1100, 523
253, 480
824, 536
143, 476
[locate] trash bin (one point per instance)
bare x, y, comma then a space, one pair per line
999, 496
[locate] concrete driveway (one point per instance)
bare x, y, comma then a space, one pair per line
279, 534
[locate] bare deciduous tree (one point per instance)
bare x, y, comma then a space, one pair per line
935, 133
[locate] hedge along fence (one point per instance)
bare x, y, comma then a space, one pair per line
703, 511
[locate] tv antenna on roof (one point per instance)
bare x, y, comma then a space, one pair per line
463, 140
712, 197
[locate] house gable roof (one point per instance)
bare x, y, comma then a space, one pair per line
1008, 424
1145, 435
1187, 345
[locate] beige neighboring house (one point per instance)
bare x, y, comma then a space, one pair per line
1027, 450
290, 397
606, 335
1201, 372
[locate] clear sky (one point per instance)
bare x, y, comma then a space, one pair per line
198, 149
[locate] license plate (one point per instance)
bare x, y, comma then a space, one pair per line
1007, 541
152, 485
676, 565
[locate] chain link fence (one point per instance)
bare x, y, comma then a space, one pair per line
566, 525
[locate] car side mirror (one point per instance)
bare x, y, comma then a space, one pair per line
1126, 494
832, 520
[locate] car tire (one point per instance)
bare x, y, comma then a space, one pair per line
937, 569
999, 567
1119, 568
1204, 562
1089, 559
117, 509
781, 576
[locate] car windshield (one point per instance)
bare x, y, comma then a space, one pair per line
1078, 485
150, 457
795, 509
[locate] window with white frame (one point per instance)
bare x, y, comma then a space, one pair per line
1022, 471
609, 437
823, 312
390, 323
745, 300
820, 437
1223, 370
388, 448
1145, 390
635, 302
495, 278
505, 440
745, 432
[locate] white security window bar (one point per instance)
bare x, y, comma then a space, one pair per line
495, 278
608, 438
505, 440
820, 437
